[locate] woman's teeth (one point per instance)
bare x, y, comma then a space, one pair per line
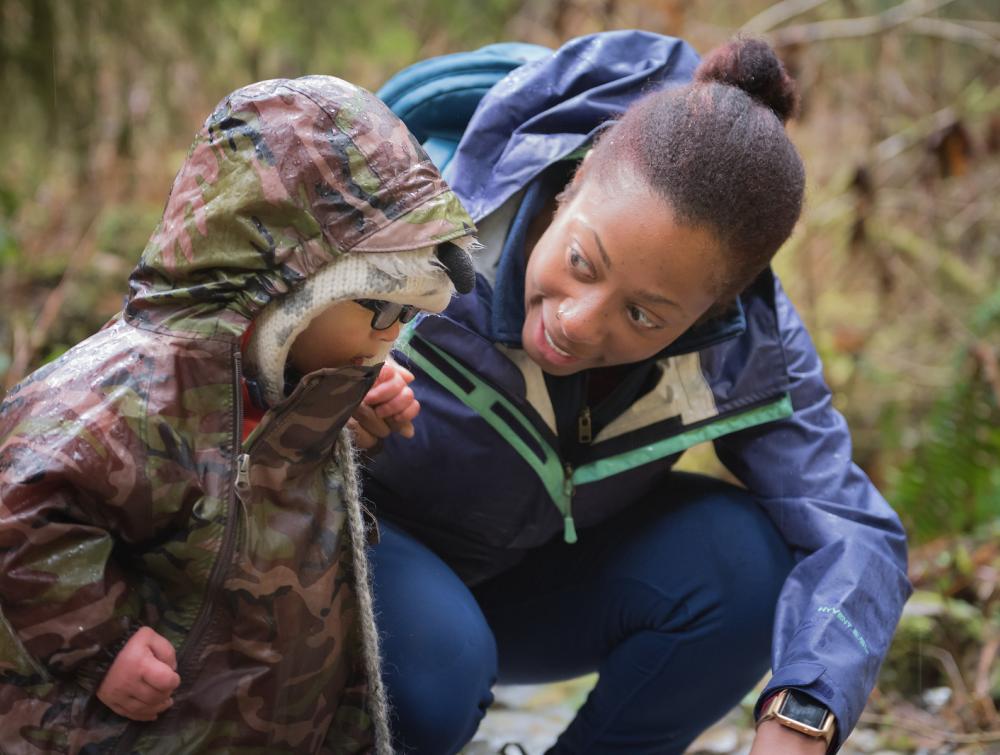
552, 345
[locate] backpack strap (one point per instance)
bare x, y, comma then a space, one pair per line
436, 97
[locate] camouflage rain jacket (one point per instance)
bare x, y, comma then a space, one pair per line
120, 461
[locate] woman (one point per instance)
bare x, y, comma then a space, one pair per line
533, 529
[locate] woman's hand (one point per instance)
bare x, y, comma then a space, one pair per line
774, 739
142, 677
388, 407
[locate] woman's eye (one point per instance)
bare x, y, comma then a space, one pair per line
640, 318
579, 263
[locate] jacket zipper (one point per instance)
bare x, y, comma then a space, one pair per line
584, 428
243, 458
230, 538
569, 489
243, 476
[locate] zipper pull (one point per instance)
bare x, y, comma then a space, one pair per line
242, 475
583, 426
569, 526
569, 529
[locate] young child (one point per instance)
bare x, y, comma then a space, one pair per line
181, 540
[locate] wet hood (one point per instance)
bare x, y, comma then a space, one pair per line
284, 177
550, 107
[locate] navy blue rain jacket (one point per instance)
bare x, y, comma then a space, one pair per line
484, 480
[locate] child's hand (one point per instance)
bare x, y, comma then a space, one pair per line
388, 407
142, 677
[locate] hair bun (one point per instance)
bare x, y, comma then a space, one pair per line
751, 65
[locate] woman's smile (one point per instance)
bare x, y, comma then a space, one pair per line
546, 344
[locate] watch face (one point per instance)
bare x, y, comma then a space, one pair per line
804, 709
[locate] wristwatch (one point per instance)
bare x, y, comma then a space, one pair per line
798, 711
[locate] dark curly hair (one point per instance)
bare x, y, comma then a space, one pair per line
716, 150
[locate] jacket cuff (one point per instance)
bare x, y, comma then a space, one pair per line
812, 679
90, 674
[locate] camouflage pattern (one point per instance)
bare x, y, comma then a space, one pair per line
283, 177
118, 461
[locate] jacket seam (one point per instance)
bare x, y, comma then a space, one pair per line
129, 320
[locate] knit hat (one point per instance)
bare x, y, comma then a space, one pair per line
416, 278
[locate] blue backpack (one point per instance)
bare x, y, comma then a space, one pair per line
436, 97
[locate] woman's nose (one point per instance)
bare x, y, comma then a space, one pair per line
581, 320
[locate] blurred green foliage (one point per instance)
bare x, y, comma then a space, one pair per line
951, 483
63, 54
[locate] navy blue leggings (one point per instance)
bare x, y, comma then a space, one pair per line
671, 602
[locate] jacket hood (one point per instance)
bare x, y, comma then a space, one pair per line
550, 107
284, 177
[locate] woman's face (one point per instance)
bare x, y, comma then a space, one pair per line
614, 279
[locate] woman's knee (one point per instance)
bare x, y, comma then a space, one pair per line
709, 550
439, 655
728, 529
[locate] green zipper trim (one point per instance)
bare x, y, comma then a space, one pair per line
556, 479
598, 470
560, 481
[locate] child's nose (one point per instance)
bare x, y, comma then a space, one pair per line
389, 334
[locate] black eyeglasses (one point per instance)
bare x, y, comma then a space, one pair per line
387, 312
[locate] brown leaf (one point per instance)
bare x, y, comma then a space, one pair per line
952, 145
849, 340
